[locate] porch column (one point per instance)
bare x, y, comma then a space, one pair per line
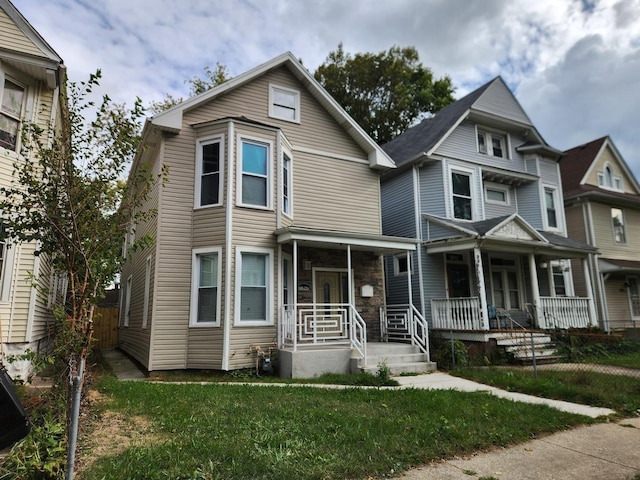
409, 285
482, 290
349, 282
533, 275
589, 287
295, 295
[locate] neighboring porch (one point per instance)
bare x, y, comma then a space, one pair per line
502, 274
332, 298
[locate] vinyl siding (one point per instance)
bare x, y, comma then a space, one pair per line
499, 101
492, 209
462, 144
134, 339
607, 157
577, 230
433, 188
398, 211
603, 228
434, 283
241, 354
12, 38
529, 204
617, 300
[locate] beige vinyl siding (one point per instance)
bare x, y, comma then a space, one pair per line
242, 341
617, 300
205, 347
317, 129
12, 38
607, 157
134, 339
329, 200
603, 228
576, 229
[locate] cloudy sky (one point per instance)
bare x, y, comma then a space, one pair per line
574, 65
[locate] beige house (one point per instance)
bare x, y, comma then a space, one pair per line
602, 205
31, 73
268, 233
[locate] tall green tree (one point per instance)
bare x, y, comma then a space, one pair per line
71, 198
384, 92
197, 85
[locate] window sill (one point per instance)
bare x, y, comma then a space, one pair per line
205, 325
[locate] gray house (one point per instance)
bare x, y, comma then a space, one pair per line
480, 189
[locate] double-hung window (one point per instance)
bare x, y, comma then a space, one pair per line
209, 172
462, 195
286, 183
551, 206
255, 167
284, 103
11, 105
617, 219
492, 144
253, 286
205, 287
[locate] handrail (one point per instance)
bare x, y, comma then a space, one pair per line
501, 312
358, 330
405, 322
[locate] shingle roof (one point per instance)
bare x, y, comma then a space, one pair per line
575, 164
424, 136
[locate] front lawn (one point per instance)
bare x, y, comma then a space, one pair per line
193, 431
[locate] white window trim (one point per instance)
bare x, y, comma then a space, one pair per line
259, 141
287, 301
472, 184
238, 290
147, 289
201, 142
617, 184
7, 271
488, 133
287, 150
396, 264
499, 188
272, 88
624, 225
557, 205
127, 302
195, 281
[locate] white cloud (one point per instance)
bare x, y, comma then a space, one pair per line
572, 63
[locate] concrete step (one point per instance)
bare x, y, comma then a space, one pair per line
397, 369
523, 339
398, 357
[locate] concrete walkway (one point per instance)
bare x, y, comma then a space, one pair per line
608, 451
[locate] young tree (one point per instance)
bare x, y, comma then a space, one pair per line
70, 197
212, 78
384, 92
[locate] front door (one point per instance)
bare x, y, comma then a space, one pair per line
331, 292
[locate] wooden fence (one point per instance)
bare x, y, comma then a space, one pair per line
105, 328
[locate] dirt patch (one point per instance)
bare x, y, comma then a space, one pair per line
108, 433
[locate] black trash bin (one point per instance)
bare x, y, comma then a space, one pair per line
14, 423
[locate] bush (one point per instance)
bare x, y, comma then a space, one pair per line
448, 357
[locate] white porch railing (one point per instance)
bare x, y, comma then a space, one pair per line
405, 322
564, 312
456, 313
323, 324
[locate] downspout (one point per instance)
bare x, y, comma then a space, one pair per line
226, 339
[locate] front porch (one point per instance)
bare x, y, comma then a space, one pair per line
465, 314
319, 338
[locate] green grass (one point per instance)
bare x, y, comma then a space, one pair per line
249, 376
631, 360
253, 432
618, 392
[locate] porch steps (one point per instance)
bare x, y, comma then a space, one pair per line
398, 357
519, 345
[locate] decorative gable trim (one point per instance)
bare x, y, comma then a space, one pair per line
515, 227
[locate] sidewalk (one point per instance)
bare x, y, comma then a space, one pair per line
608, 451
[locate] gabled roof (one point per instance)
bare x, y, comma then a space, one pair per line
41, 61
171, 120
510, 228
423, 139
578, 162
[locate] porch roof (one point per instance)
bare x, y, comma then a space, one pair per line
612, 265
510, 232
339, 239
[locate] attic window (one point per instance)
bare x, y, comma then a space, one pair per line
609, 180
492, 144
284, 103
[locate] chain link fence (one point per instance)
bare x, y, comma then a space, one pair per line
616, 352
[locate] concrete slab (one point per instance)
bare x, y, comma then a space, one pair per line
604, 451
443, 381
123, 366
